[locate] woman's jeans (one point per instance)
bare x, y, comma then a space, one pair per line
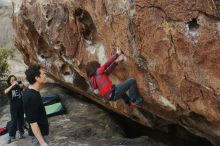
121, 89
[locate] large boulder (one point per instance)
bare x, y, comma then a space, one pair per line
171, 48
6, 29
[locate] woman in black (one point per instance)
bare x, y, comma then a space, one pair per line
14, 91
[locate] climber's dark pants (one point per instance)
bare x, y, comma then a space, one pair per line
121, 89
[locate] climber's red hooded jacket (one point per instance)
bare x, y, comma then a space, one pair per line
101, 81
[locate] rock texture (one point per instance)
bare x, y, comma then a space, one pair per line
6, 24
15, 60
171, 49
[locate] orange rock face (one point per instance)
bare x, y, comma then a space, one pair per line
171, 48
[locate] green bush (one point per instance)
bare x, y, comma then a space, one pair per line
4, 69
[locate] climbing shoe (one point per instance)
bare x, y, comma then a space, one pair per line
132, 102
139, 100
11, 139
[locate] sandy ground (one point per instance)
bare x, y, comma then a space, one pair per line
85, 124
4, 118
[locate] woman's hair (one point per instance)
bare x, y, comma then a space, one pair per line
9, 79
91, 68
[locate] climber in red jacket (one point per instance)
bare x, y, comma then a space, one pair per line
99, 79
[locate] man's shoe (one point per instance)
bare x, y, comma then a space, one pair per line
21, 135
11, 139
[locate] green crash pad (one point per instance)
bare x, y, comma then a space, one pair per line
54, 108
53, 105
